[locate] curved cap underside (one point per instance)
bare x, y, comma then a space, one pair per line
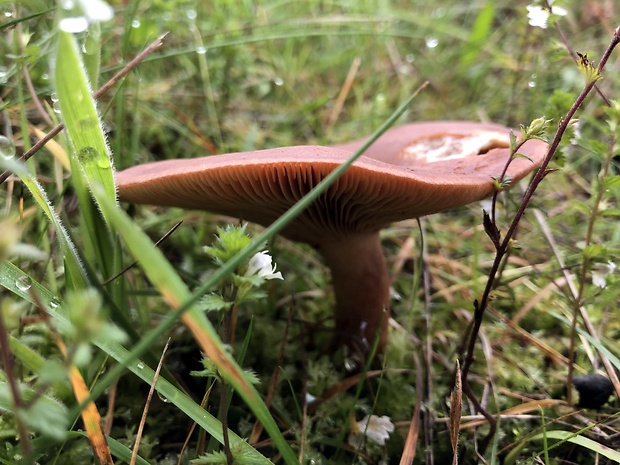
260, 186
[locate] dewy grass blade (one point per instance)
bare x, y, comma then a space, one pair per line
175, 293
74, 271
10, 275
80, 116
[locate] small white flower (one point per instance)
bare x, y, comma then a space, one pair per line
96, 10
375, 428
260, 265
538, 16
600, 271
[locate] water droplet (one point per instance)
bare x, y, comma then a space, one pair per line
45, 77
73, 25
54, 97
403, 69
201, 50
88, 154
191, 14
380, 98
7, 147
135, 23
532, 81
278, 81
55, 302
7, 11
103, 162
163, 398
409, 58
140, 366
431, 42
23, 283
56, 107
350, 364
4, 74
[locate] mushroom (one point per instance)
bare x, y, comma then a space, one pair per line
410, 171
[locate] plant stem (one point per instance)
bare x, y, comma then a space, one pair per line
481, 305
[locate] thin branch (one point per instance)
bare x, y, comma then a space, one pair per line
107, 86
504, 244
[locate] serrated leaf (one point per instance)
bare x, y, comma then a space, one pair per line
214, 302
593, 250
610, 182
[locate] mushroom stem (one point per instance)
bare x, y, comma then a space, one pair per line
362, 288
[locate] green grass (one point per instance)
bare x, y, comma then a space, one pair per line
234, 76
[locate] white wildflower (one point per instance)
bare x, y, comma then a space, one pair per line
96, 10
600, 271
375, 428
260, 265
539, 16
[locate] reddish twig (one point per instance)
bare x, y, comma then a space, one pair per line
107, 86
503, 245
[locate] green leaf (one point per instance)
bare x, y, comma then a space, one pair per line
566, 436
609, 183
80, 116
479, 34
10, 275
593, 250
214, 303
44, 414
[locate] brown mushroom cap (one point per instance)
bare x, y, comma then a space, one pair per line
260, 186
408, 172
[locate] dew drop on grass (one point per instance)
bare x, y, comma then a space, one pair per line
350, 364
140, 366
135, 23
23, 283
163, 398
7, 147
7, 10
88, 154
191, 14
3, 74
54, 303
278, 81
431, 42
201, 50
103, 162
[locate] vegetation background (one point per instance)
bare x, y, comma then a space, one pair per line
241, 75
